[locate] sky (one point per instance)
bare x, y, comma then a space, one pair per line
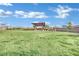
24, 14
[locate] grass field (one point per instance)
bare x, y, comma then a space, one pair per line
38, 43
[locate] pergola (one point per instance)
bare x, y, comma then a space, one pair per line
39, 25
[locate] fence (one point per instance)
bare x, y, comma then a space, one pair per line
48, 29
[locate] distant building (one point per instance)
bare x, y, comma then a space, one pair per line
39, 25
76, 28
3, 26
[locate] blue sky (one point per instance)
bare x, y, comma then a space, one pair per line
54, 14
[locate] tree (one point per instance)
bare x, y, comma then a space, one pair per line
46, 26
34, 26
69, 26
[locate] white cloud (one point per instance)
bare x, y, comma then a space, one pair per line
19, 13
62, 15
76, 9
6, 4
24, 14
4, 13
63, 11
48, 23
1, 10
37, 15
8, 13
35, 4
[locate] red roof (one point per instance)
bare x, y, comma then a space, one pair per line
39, 24
77, 26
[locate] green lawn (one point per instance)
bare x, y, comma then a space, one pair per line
38, 43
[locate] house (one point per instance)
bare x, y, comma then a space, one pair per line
3, 26
76, 28
39, 25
